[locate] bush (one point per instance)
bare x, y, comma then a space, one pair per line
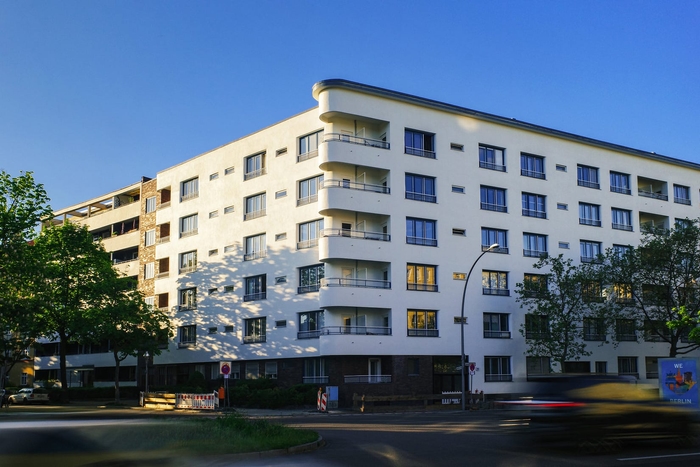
264, 394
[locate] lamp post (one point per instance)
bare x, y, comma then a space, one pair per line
461, 322
145, 356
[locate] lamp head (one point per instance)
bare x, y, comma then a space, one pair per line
493, 247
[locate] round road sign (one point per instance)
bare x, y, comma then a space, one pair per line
225, 369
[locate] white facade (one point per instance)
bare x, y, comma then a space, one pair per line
355, 225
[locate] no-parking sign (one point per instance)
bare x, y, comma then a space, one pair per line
225, 368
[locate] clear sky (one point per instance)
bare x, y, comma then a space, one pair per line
96, 94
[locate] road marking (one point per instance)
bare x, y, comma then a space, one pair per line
659, 457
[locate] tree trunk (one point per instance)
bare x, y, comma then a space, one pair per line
116, 377
63, 374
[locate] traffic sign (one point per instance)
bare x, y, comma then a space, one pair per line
225, 368
472, 368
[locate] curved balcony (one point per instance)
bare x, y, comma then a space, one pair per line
350, 196
365, 293
354, 151
354, 244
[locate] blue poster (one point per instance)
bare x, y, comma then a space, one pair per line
678, 380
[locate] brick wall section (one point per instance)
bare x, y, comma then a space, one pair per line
146, 254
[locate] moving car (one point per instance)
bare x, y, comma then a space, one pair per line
30, 395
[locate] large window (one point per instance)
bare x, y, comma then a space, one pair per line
310, 324
534, 245
621, 250
421, 277
149, 270
592, 291
310, 278
620, 183
627, 366
254, 166
255, 288
187, 336
420, 188
626, 330
150, 237
497, 369
419, 143
536, 326
189, 189
588, 176
308, 190
490, 236
255, 330
255, 247
187, 299
531, 165
493, 199
589, 214
150, 204
622, 219
681, 194
315, 371
534, 285
496, 326
255, 206
492, 158
538, 366
188, 262
421, 232
309, 232
422, 323
593, 329
534, 205
495, 283
188, 225
590, 251
308, 145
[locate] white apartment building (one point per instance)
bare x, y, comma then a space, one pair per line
332, 247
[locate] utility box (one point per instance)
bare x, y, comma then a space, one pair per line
332, 392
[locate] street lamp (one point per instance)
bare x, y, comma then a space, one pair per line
461, 322
145, 356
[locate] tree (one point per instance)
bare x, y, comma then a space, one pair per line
662, 275
558, 302
131, 326
23, 205
71, 290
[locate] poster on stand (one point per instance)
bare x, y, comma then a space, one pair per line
678, 381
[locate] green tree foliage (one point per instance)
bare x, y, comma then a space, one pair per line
23, 205
558, 301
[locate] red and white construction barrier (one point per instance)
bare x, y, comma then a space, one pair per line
197, 401
322, 401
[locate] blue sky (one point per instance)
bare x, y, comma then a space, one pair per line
95, 94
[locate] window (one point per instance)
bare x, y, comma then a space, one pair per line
188, 225
149, 270
626, 330
460, 232
280, 194
252, 370
255, 247
537, 366
280, 236
536, 326
589, 214
189, 189
229, 170
213, 291
281, 280
422, 323
228, 328
229, 248
213, 214
621, 250
23, 379
271, 370
150, 237
562, 206
490, 236
621, 219
593, 329
310, 324
497, 369
214, 252
188, 299
456, 147
495, 283
255, 330
228, 209
656, 331
315, 371
681, 194
534, 285
457, 189
492, 158
308, 145
255, 288
228, 288
627, 366
309, 232
564, 245
255, 206
496, 326
188, 262
493, 199
413, 366
680, 224
561, 168
531, 166
534, 245
310, 278
588, 176
212, 330
213, 176
420, 232
534, 205
421, 277
620, 183
418, 143
590, 251
420, 188
254, 166
150, 204
281, 152
308, 190
187, 336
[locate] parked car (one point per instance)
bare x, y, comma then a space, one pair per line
30, 395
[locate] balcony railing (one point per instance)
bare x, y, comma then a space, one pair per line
421, 241
356, 234
122, 261
347, 282
308, 288
307, 244
497, 378
627, 337
189, 196
375, 143
188, 269
494, 207
652, 375
594, 337
254, 173
534, 213
428, 198
357, 330
255, 255
367, 378
593, 222
164, 205
681, 201
413, 332
188, 233
307, 200
186, 307
165, 239
163, 275
651, 194
315, 379
500, 249
492, 166
420, 152
588, 184
254, 339
422, 287
307, 155
309, 334
620, 189
627, 227
497, 334
534, 253
531, 173
254, 296
254, 214
496, 291
355, 186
